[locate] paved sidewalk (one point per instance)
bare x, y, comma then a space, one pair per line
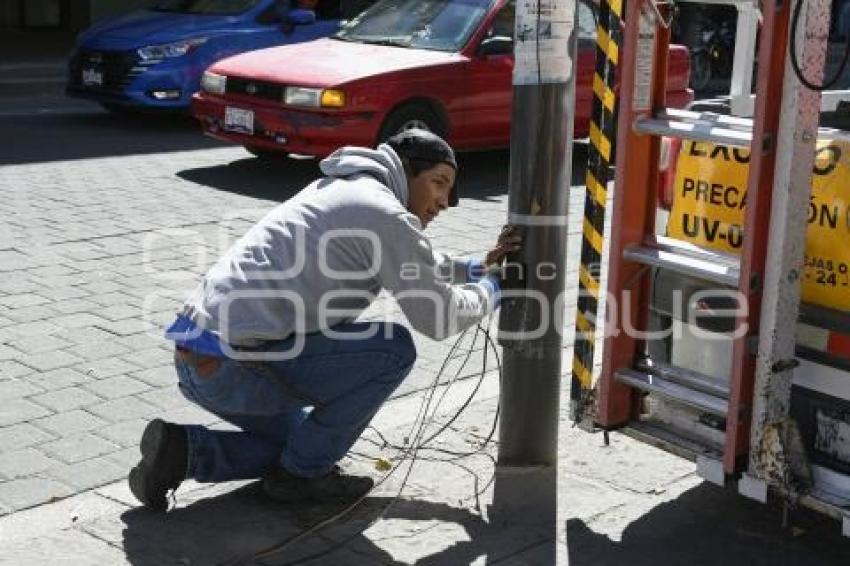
623, 504
103, 237
97, 257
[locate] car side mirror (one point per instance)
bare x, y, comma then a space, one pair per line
299, 17
496, 45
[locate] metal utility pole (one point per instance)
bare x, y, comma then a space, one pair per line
531, 322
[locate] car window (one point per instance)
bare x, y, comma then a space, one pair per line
351, 8
271, 15
324, 9
205, 6
443, 25
505, 21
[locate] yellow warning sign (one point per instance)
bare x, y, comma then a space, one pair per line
711, 197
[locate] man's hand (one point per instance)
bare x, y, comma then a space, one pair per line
509, 241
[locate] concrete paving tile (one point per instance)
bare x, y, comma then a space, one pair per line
75, 306
28, 492
38, 327
70, 422
88, 474
20, 436
165, 398
91, 351
39, 344
11, 369
46, 361
14, 411
119, 311
106, 368
23, 300
40, 313
79, 447
88, 335
122, 408
162, 376
66, 399
127, 327
17, 389
115, 387
22, 463
77, 320
57, 379
64, 547
8, 353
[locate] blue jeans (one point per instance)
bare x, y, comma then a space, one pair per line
303, 414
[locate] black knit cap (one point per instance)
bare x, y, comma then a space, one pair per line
423, 145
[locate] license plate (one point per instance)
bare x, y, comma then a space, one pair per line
239, 120
92, 77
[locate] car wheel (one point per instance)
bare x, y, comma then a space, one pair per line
409, 117
700, 70
265, 154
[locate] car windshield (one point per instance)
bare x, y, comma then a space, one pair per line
205, 6
441, 25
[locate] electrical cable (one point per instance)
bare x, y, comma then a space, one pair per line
409, 452
279, 547
795, 64
396, 497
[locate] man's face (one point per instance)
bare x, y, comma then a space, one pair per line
429, 192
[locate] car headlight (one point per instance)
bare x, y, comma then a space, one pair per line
314, 97
213, 83
170, 50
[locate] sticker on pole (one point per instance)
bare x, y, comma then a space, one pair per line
644, 57
541, 44
711, 196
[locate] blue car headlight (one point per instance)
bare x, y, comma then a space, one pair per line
170, 50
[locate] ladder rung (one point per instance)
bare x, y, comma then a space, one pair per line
698, 126
673, 391
687, 378
687, 259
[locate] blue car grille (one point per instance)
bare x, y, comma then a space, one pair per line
118, 68
259, 89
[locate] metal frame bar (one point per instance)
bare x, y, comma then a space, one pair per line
741, 87
797, 131
769, 89
633, 211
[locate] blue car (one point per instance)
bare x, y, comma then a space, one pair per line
154, 58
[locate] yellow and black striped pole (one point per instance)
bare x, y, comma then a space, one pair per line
603, 125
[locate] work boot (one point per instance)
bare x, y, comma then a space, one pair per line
165, 454
335, 487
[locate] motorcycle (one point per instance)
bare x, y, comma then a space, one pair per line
713, 56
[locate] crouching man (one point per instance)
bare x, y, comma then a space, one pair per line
268, 340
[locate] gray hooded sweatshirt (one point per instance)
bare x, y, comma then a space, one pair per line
323, 256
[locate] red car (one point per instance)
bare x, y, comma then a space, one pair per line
445, 65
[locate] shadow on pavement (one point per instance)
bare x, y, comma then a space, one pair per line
275, 179
97, 133
483, 175
709, 526
231, 528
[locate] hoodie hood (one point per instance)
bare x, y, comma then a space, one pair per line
382, 163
